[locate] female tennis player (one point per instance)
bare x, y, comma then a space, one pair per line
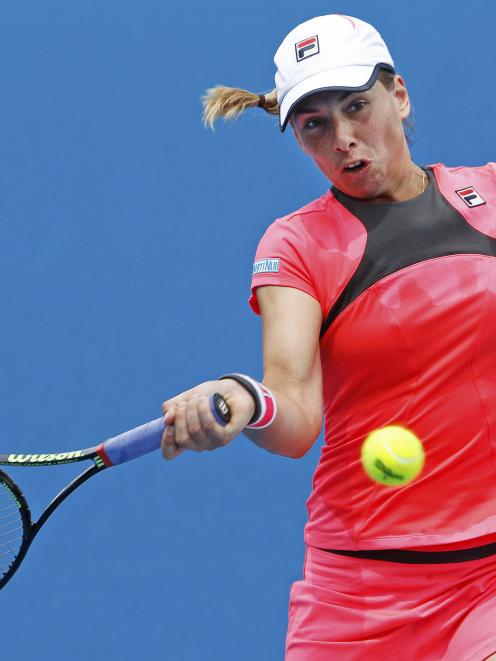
378, 303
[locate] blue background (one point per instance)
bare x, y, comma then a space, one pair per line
127, 234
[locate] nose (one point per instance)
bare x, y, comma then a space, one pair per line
343, 139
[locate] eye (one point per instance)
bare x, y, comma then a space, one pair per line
356, 106
313, 123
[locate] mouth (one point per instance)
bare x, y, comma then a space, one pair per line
355, 166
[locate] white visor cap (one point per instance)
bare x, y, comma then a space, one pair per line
333, 52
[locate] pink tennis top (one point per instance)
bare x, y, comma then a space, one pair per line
408, 298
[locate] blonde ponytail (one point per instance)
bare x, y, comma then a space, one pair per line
229, 102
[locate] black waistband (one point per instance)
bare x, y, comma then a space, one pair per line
421, 557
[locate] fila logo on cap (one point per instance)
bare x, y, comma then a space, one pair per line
471, 197
307, 48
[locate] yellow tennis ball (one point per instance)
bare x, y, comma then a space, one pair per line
392, 455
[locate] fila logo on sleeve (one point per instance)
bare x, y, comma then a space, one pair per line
471, 197
307, 48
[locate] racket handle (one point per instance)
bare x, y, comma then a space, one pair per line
146, 438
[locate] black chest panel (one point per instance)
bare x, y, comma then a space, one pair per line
404, 233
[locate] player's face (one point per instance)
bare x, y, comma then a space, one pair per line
357, 140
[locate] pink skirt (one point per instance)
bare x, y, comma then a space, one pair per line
353, 608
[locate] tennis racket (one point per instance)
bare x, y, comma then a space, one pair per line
17, 530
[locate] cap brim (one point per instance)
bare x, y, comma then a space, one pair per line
349, 79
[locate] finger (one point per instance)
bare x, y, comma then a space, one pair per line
169, 448
169, 414
212, 430
170, 452
182, 438
168, 420
193, 420
173, 401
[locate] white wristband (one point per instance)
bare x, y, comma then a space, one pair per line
265, 403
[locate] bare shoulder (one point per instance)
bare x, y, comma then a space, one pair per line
277, 300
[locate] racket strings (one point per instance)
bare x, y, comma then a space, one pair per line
11, 529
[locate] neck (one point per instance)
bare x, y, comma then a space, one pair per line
411, 182
414, 184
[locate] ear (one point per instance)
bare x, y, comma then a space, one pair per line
402, 97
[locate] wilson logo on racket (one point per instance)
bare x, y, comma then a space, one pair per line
307, 48
41, 458
471, 197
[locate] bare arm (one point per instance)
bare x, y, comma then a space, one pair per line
292, 371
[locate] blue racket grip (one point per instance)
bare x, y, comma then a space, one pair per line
146, 438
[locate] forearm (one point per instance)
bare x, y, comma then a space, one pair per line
298, 421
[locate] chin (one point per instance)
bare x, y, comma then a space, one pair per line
364, 192
367, 187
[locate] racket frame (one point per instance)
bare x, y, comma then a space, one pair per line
112, 452
31, 528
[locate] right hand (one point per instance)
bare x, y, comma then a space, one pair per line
190, 424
